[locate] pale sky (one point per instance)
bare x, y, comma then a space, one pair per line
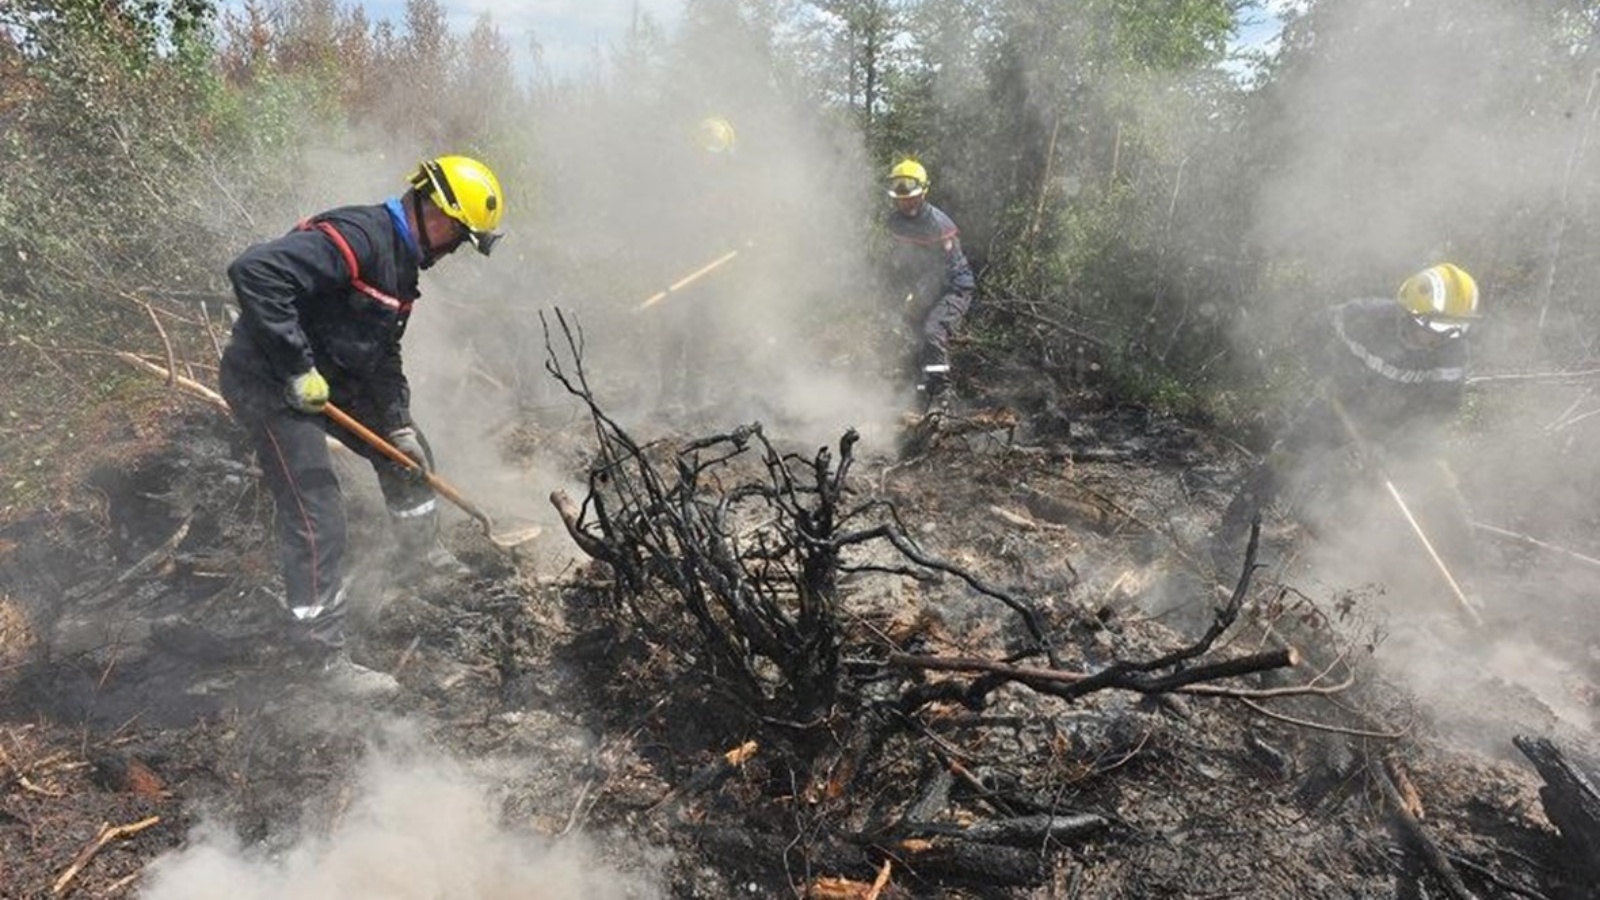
1259, 27
571, 30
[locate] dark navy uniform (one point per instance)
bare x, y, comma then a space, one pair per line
933, 279
1396, 393
335, 293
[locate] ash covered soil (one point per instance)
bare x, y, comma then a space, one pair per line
548, 742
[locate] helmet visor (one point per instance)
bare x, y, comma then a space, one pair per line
483, 241
905, 186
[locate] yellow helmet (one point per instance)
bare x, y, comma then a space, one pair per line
1443, 297
908, 179
715, 135
465, 190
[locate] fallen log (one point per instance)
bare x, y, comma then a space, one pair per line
1085, 511
845, 889
128, 774
985, 866
568, 510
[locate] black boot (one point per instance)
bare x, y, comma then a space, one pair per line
934, 391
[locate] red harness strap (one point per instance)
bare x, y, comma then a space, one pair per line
403, 307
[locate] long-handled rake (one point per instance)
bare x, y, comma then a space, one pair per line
687, 280
505, 538
1456, 592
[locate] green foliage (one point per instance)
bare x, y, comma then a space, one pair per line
1101, 165
114, 92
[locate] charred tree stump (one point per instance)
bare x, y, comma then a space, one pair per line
1571, 801
753, 561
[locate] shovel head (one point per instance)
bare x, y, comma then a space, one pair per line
511, 534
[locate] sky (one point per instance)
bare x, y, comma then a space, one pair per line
1260, 23
569, 31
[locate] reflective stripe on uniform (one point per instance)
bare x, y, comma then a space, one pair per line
1390, 370
307, 613
421, 509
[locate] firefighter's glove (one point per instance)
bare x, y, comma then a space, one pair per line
406, 441
307, 392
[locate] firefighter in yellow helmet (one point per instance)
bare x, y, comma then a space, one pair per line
1392, 377
322, 311
707, 217
716, 136
930, 277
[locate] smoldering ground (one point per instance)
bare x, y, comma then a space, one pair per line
417, 825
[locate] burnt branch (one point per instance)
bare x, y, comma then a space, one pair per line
1122, 675
1052, 681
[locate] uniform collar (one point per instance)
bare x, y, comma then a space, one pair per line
397, 214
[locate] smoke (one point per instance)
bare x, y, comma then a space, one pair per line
757, 261
1413, 133
419, 826
1409, 134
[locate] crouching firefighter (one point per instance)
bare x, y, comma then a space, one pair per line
931, 278
322, 312
1392, 378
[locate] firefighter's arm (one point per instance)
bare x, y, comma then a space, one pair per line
958, 278
273, 282
392, 389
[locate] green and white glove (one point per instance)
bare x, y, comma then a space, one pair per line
307, 392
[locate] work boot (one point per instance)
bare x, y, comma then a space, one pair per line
422, 554
345, 676
320, 656
937, 397
933, 386
317, 630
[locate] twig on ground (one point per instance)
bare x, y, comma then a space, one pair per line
107, 834
188, 384
1324, 726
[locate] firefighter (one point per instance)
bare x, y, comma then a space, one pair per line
689, 326
1393, 377
322, 312
930, 279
